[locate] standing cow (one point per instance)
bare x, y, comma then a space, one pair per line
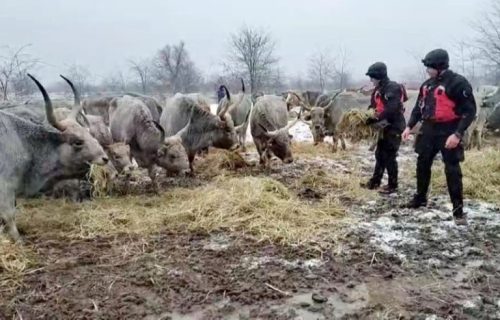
269, 128
131, 122
198, 128
240, 108
34, 157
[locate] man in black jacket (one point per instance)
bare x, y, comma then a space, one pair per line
387, 100
446, 107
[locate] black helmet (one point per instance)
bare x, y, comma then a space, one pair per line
437, 59
378, 71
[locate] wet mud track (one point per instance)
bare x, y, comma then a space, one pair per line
390, 263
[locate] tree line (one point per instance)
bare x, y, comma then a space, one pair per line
251, 56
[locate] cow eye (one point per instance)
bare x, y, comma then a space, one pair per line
77, 143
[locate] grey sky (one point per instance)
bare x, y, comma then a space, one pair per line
102, 35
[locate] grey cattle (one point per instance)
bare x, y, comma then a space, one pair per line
132, 123
119, 153
98, 107
34, 157
491, 102
198, 128
269, 127
328, 111
153, 105
239, 113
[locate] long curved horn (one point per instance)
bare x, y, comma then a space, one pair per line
162, 131
185, 129
301, 101
291, 124
77, 107
332, 100
242, 85
238, 128
228, 102
49, 110
76, 94
493, 93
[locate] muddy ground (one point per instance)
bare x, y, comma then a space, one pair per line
390, 263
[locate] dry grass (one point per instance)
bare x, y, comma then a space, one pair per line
219, 161
258, 206
15, 259
100, 178
353, 125
309, 150
481, 175
339, 187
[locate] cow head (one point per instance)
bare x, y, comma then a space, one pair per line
120, 156
172, 155
279, 141
79, 148
319, 115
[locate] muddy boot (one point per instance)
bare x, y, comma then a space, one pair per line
459, 217
387, 190
416, 202
370, 185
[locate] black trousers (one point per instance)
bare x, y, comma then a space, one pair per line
385, 158
428, 144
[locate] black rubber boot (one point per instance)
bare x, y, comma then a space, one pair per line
416, 202
370, 185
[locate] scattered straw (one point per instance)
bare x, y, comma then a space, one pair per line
15, 259
258, 206
353, 125
481, 175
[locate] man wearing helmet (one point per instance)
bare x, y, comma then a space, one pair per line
387, 100
446, 107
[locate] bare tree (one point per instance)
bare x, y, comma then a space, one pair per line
468, 60
251, 53
142, 70
115, 82
81, 78
14, 64
175, 69
342, 68
321, 69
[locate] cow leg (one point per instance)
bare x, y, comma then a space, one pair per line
334, 143
342, 142
153, 174
8, 214
191, 160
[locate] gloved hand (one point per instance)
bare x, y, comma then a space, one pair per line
371, 121
381, 124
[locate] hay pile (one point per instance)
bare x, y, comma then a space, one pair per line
256, 206
353, 125
481, 175
14, 261
218, 160
101, 180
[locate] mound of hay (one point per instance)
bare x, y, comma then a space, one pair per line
15, 260
217, 160
257, 206
353, 125
101, 180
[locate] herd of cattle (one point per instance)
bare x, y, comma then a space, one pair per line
45, 144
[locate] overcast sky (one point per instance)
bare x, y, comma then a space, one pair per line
102, 35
